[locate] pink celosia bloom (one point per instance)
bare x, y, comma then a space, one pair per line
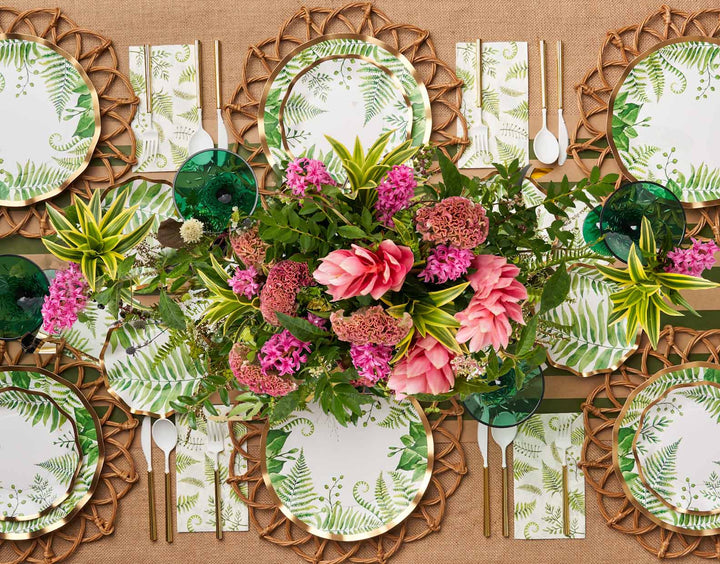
304, 173
278, 294
486, 320
446, 263
694, 260
249, 247
372, 363
252, 376
283, 353
358, 272
67, 297
243, 282
425, 370
394, 193
454, 221
317, 321
370, 326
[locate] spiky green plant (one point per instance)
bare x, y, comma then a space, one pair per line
93, 239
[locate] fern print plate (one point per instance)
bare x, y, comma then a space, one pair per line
50, 114
580, 338
37, 435
667, 465
663, 122
88, 333
309, 60
61, 466
349, 483
146, 369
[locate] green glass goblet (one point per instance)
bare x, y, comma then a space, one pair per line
23, 287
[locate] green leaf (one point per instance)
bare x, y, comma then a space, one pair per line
301, 328
451, 176
555, 290
170, 313
527, 337
351, 232
444, 297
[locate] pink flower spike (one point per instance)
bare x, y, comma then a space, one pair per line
446, 263
253, 378
395, 192
243, 282
304, 173
694, 260
372, 363
283, 353
67, 297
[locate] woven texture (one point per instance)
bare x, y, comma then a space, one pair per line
272, 525
97, 518
676, 347
443, 86
97, 56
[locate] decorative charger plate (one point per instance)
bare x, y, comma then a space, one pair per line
144, 371
89, 436
357, 84
50, 113
663, 122
41, 449
665, 450
349, 483
581, 339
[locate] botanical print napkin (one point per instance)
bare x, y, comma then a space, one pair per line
504, 101
537, 468
195, 478
174, 103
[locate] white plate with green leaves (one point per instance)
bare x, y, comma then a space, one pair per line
341, 85
664, 451
146, 369
59, 467
663, 122
50, 115
354, 482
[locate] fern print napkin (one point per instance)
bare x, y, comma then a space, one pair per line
195, 481
504, 101
537, 468
174, 104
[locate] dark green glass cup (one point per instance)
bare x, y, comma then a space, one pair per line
592, 235
23, 287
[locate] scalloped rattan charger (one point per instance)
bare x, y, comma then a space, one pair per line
97, 518
618, 50
448, 470
675, 347
443, 86
118, 103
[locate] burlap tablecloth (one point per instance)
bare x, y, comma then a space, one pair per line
582, 26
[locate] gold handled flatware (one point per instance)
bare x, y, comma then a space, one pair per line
504, 436
482, 437
545, 144
150, 136
479, 132
563, 138
200, 140
165, 435
563, 443
216, 445
222, 136
146, 443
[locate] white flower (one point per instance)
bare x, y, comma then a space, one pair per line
191, 231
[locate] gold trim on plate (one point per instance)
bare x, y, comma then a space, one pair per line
334, 36
71, 485
96, 110
611, 103
99, 464
369, 534
615, 457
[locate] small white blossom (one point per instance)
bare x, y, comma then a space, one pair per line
191, 231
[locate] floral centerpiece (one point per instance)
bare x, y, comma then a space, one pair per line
391, 283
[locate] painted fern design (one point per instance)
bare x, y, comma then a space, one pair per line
378, 91
297, 490
491, 102
531, 489
61, 467
31, 179
660, 469
196, 482
41, 491
162, 104
399, 416
186, 503
702, 184
508, 152
32, 408
521, 111
184, 461
17, 52
518, 70
520, 468
299, 109
188, 75
552, 479
61, 79
524, 509
706, 396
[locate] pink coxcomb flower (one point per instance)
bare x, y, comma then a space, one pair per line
371, 326
68, 296
372, 363
284, 281
253, 378
249, 247
394, 193
304, 173
283, 353
427, 369
694, 260
454, 221
446, 263
243, 282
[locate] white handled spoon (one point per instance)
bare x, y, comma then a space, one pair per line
165, 435
545, 145
504, 436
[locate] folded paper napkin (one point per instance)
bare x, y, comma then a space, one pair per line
195, 478
537, 468
174, 103
504, 101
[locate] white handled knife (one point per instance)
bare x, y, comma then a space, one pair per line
146, 442
482, 438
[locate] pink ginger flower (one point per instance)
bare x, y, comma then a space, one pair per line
243, 282
304, 173
486, 320
426, 369
455, 221
694, 260
370, 325
446, 263
284, 281
394, 193
67, 297
254, 379
317, 321
283, 353
359, 271
372, 363
249, 247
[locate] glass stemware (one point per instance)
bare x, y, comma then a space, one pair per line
23, 287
